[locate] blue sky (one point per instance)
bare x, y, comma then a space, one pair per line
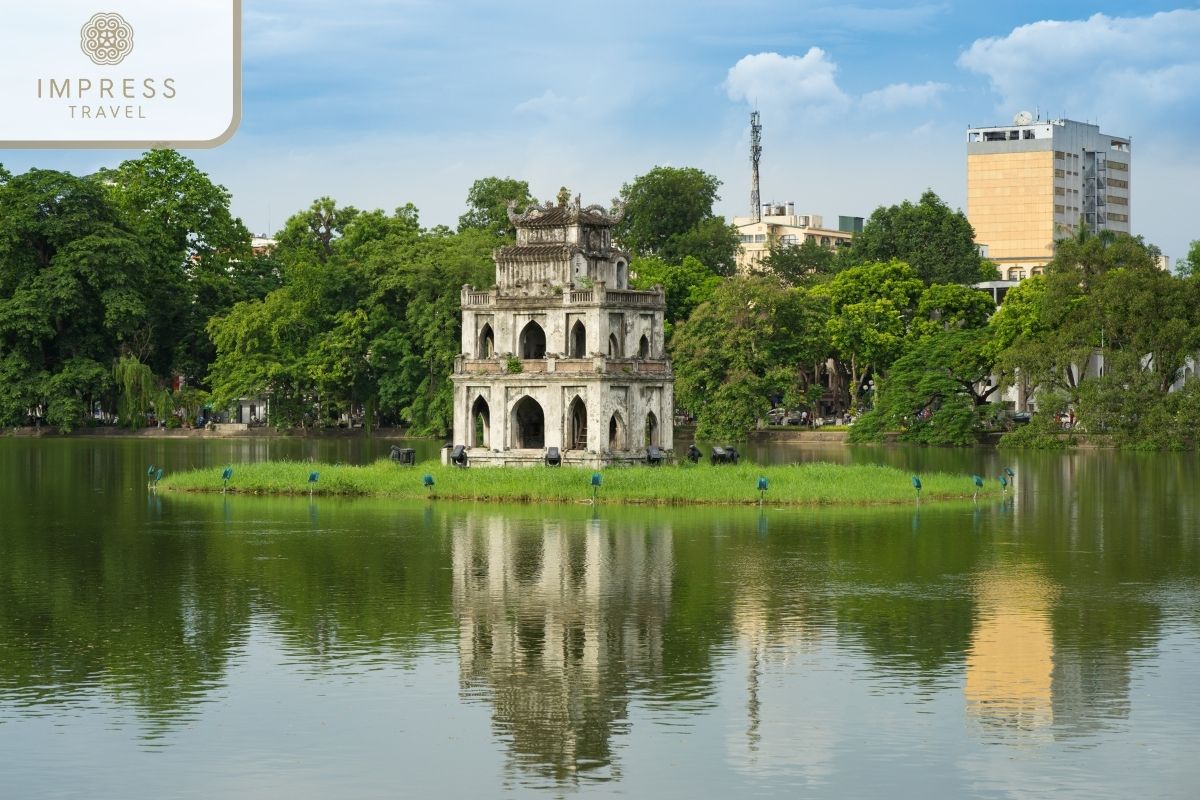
382, 103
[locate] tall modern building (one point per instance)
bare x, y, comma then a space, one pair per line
1036, 181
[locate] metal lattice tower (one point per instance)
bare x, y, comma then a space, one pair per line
755, 155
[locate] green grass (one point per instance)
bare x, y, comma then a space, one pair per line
814, 484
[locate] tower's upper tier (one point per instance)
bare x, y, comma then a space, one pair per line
562, 244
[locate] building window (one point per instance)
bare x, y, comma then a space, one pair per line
1118, 201
1118, 217
1060, 210
1119, 166
1059, 155
1058, 173
759, 238
1059, 191
1117, 183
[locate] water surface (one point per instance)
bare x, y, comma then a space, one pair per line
154, 645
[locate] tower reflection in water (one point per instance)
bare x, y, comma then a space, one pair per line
558, 619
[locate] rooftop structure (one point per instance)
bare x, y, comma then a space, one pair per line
780, 226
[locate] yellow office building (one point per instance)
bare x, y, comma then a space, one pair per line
1036, 181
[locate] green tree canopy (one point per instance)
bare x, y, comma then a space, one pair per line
487, 204
687, 284
669, 214
871, 307
930, 394
805, 264
938, 243
752, 340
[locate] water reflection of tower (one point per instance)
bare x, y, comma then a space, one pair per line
556, 620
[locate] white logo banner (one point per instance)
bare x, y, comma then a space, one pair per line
120, 73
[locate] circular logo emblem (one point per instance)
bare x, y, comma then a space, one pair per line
106, 38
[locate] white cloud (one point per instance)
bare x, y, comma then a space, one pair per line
549, 103
903, 95
787, 83
1110, 67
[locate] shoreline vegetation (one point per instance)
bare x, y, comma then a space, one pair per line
812, 484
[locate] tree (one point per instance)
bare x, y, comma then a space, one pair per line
668, 213
76, 290
487, 204
200, 261
938, 243
687, 284
316, 230
752, 340
930, 394
805, 264
951, 306
871, 306
1106, 333
1189, 267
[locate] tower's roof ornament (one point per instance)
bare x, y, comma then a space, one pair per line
554, 215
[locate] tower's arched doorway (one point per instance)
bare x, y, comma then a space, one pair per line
533, 341
651, 430
576, 437
644, 348
616, 433
480, 429
528, 425
578, 340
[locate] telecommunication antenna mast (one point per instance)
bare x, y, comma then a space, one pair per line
755, 155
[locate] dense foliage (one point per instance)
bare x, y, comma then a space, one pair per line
366, 318
135, 293
1108, 335
669, 214
938, 243
125, 264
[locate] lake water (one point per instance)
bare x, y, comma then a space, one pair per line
161, 646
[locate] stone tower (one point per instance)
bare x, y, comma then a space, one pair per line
561, 353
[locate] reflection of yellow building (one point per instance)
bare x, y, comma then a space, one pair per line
1011, 658
555, 619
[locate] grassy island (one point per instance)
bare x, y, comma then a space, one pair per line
796, 485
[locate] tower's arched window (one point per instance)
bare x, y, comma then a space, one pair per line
644, 348
481, 423
616, 433
578, 340
533, 341
576, 438
487, 342
651, 430
614, 346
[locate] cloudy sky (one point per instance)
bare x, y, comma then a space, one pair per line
380, 103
